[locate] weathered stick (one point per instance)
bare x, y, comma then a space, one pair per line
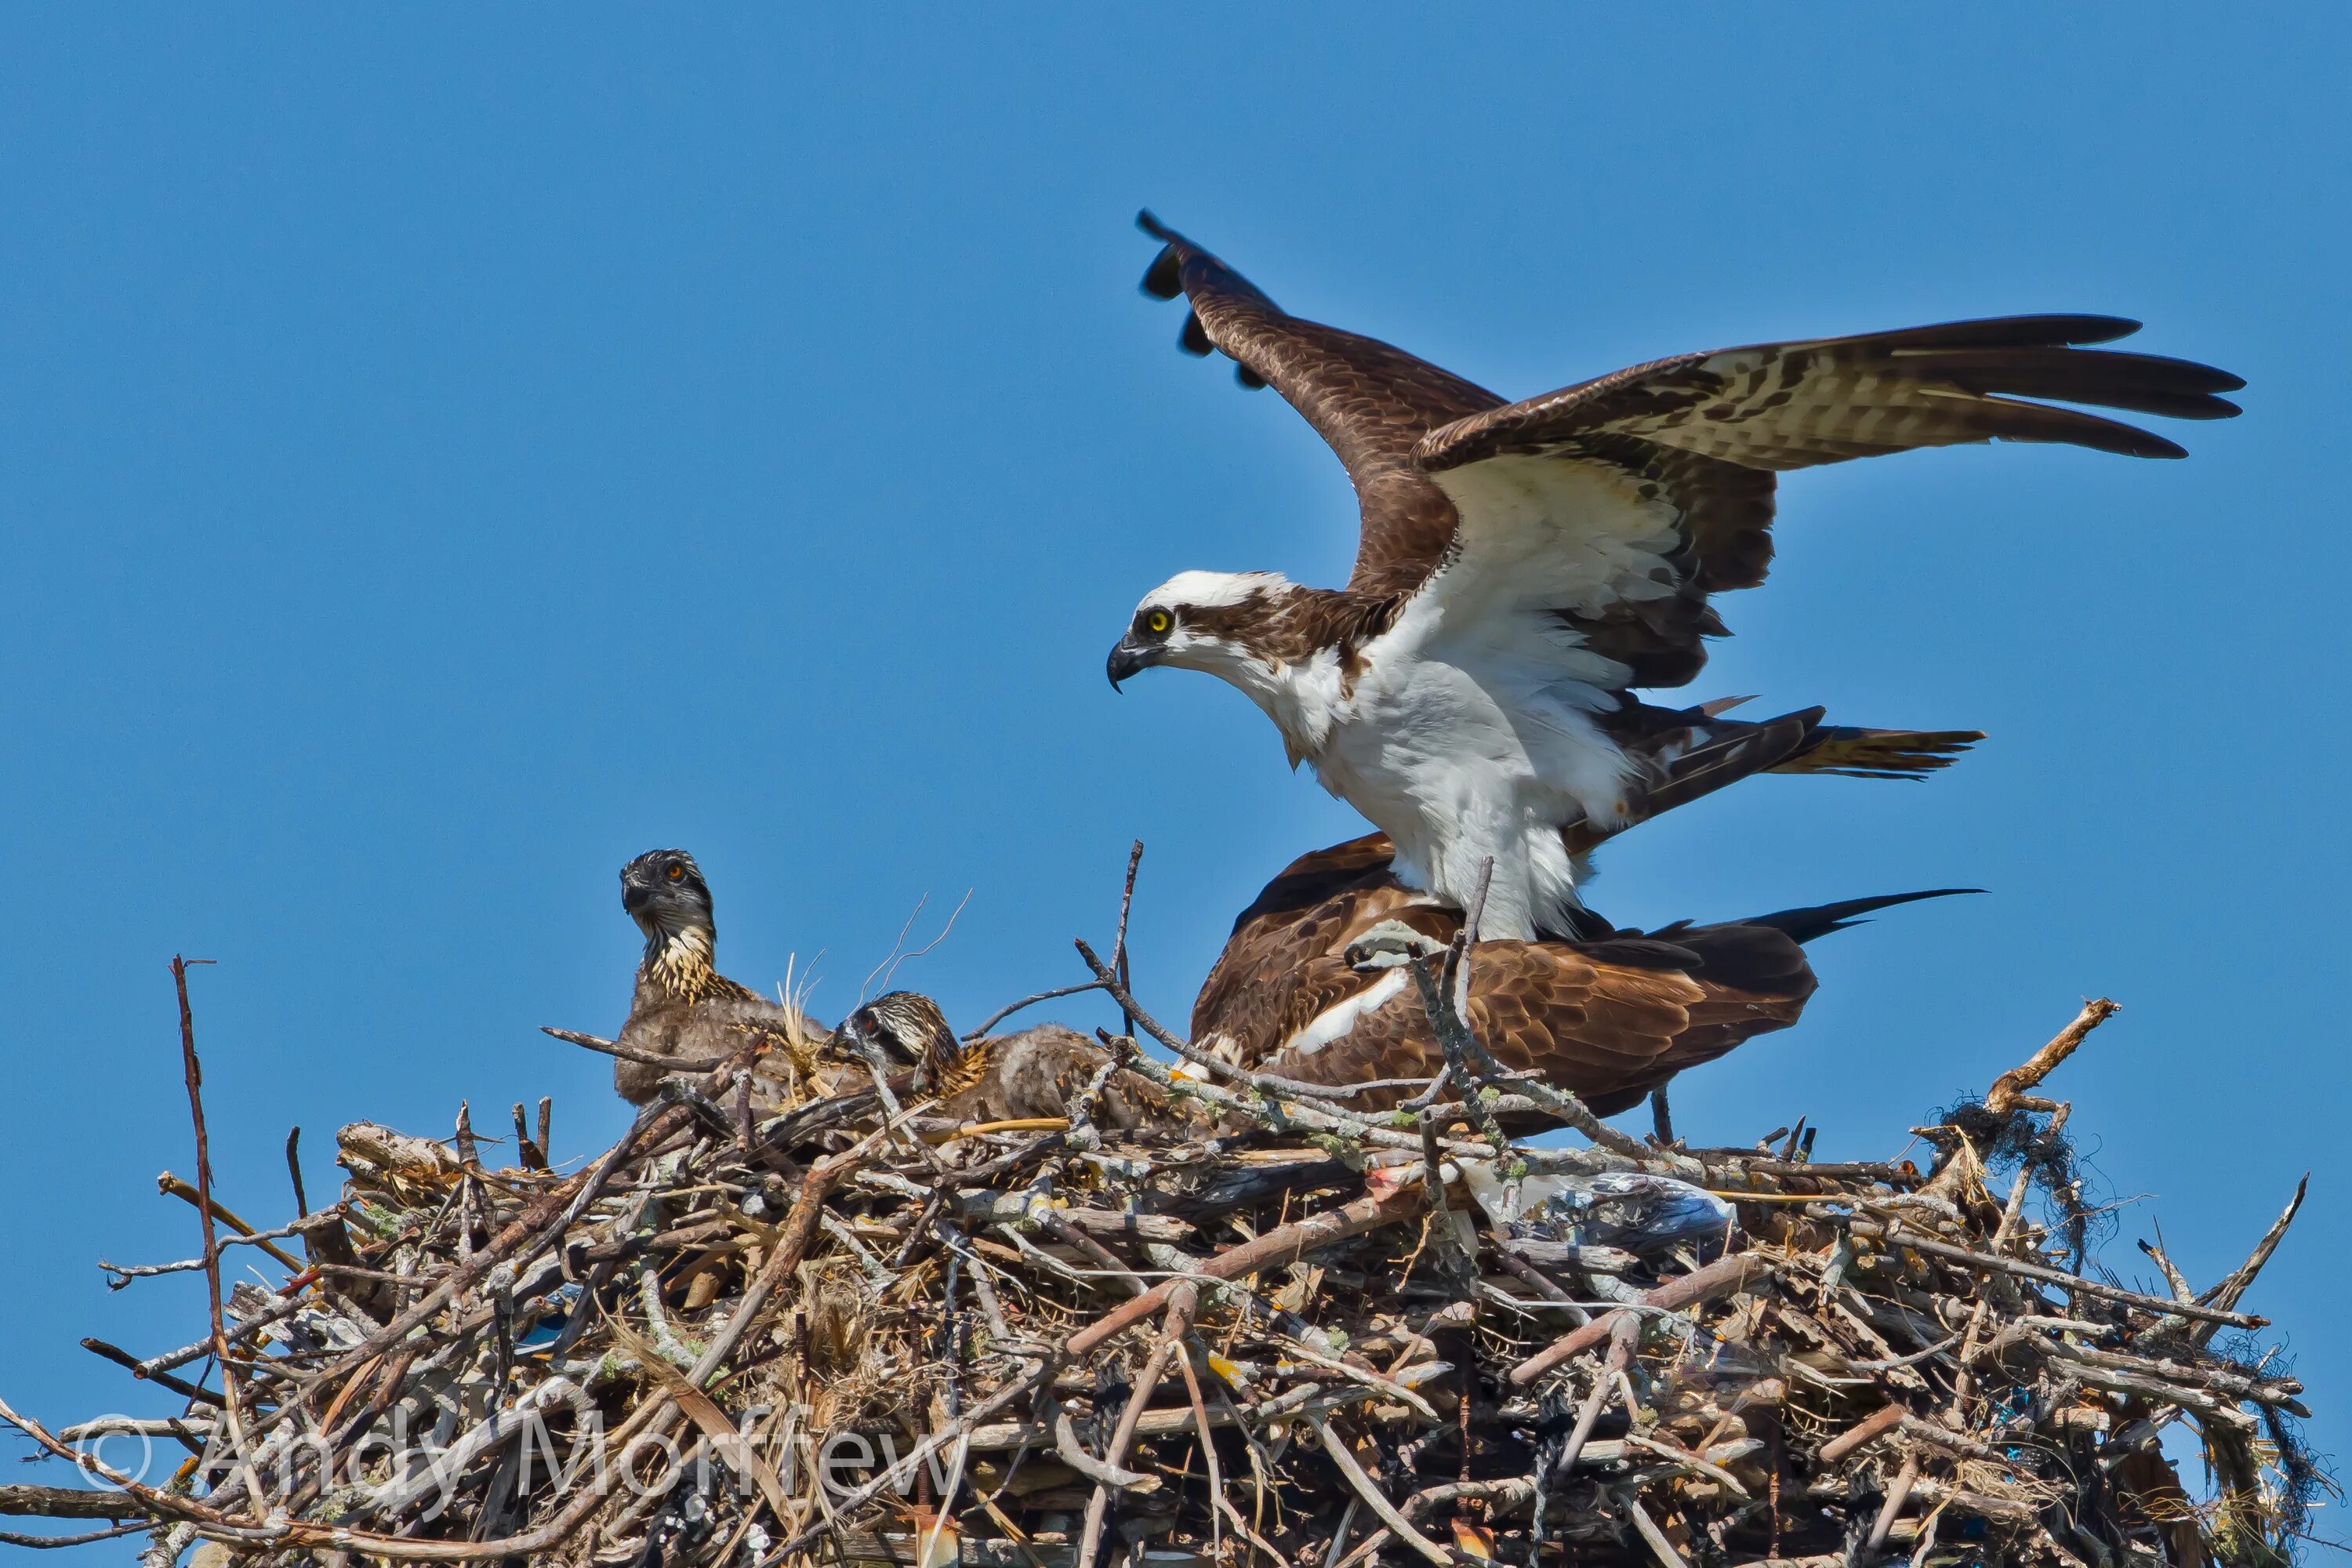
651, 1058
1073, 1453
1719, 1278
1180, 1306
56, 1542
1875, 1426
2233, 1288
1026, 1002
1647, 1528
1898, 1493
172, 1187
2002, 1097
67, 1502
1624, 1333
1897, 1234
161, 1379
232, 1403
1379, 1503
1278, 1247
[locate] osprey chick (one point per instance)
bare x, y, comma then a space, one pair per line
684, 1009
1005, 1077
1523, 566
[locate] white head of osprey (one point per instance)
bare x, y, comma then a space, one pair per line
1400, 716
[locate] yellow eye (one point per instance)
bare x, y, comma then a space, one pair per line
1158, 622
676, 873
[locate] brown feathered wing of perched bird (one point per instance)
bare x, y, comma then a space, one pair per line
1005, 1077
684, 1010
1609, 1020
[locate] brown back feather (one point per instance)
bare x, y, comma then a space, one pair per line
1589, 1020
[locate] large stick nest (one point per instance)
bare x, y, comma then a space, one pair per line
1273, 1333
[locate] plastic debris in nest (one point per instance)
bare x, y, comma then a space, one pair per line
1639, 1212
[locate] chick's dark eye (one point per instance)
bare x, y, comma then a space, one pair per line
676, 873
1158, 623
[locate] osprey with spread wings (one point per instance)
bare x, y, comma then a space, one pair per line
1524, 566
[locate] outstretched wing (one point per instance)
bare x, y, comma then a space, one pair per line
1616, 507
1371, 403
1621, 504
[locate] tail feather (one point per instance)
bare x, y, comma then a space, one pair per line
1689, 752
1820, 920
1856, 754
1723, 753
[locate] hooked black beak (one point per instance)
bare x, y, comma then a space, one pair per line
634, 897
1129, 658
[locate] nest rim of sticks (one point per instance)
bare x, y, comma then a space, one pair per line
1283, 1331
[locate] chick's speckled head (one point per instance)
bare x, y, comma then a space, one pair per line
662, 891
908, 1028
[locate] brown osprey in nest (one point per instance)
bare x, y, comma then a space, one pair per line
1005, 1077
1524, 566
1297, 994
684, 1009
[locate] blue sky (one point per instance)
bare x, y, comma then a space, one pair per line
444, 453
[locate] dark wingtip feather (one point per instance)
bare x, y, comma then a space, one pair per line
2102, 378
2012, 332
1248, 377
2098, 328
2072, 330
2111, 435
1163, 279
2009, 419
1194, 337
